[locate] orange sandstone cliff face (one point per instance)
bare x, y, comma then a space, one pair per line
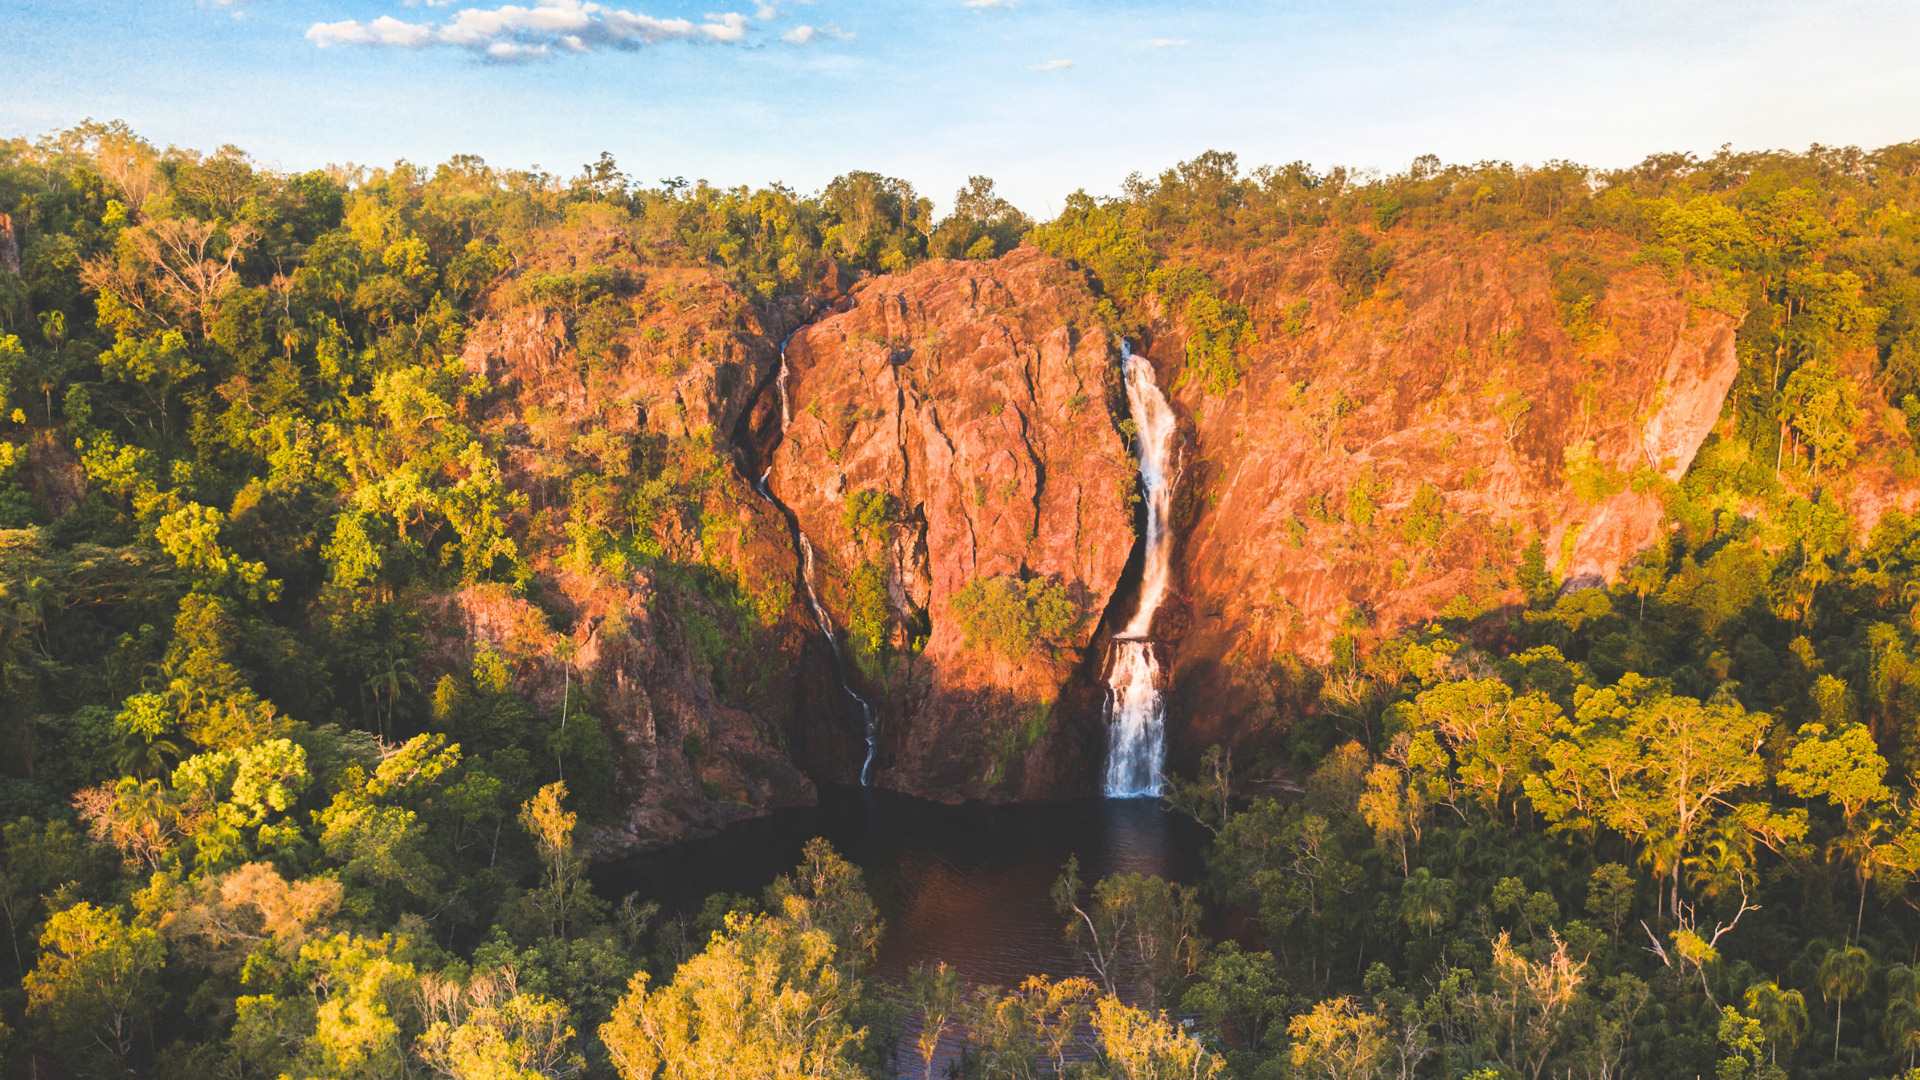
1383, 459
698, 740
1386, 456
979, 399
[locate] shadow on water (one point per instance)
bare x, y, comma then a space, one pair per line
964, 884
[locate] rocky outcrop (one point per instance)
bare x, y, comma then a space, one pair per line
1383, 460
694, 659
1881, 479
1386, 457
978, 404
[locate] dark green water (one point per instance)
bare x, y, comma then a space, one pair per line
964, 884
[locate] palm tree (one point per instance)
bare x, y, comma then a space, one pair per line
1843, 974
1900, 1024
146, 756
393, 678
1426, 902
1782, 1015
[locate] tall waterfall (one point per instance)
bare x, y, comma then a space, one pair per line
803, 548
1136, 715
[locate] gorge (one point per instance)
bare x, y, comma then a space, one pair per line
963, 431
1255, 618
803, 555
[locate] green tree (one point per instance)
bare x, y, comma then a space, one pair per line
1900, 1021
1663, 770
1818, 403
763, 1001
1136, 1045
1743, 1038
488, 1029
1207, 798
36, 860
1031, 1031
1843, 975
982, 225
1135, 926
1846, 769
95, 987
1610, 894
1239, 994
826, 892
1782, 1014
1338, 1040
935, 991
363, 1016
1015, 617
564, 897
1426, 901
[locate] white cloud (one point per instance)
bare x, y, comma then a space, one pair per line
1168, 43
513, 33
730, 28
508, 52
385, 30
986, 5
807, 34
1056, 64
766, 12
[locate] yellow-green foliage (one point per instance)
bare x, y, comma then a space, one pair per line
1591, 479
1219, 332
868, 612
866, 514
1363, 498
1015, 617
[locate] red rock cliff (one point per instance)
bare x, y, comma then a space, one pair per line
1386, 457
701, 735
980, 399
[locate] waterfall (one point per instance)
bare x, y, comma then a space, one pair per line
1136, 715
803, 549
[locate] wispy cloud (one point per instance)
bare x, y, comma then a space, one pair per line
1167, 43
1056, 64
512, 33
987, 5
807, 34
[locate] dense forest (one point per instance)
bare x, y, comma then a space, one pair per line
259, 822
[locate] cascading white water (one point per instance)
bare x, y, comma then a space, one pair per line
1136, 715
820, 617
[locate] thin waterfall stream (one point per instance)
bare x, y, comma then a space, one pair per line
803, 553
1136, 712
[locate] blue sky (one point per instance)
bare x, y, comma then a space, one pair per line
1043, 95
